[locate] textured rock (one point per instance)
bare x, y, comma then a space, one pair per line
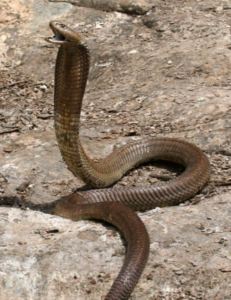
136, 7
166, 73
45, 257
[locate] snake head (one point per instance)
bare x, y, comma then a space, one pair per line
63, 34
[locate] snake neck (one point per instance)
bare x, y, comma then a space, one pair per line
71, 73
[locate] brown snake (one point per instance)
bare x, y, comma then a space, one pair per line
114, 205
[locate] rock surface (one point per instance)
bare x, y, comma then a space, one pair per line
160, 70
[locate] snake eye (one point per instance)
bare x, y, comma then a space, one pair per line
60, 25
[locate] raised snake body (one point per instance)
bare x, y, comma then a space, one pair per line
72, 66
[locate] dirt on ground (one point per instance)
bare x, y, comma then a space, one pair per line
158, 68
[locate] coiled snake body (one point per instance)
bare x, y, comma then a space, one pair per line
114, 205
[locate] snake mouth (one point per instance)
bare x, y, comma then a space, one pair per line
57, 39
62, 34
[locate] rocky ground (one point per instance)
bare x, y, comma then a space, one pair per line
158, 68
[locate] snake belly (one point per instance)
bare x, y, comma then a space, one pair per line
114, 205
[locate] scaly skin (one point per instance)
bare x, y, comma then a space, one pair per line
72, 66
71, 72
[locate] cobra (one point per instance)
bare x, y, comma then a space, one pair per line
71, 73
114, 205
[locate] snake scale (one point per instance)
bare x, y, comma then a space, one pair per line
114, 205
